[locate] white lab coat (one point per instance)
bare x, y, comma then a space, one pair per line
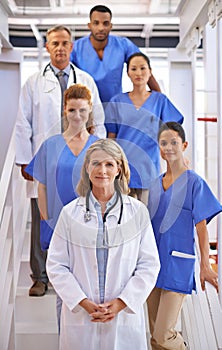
39, 114
132, 270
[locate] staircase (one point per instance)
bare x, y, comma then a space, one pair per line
35, 317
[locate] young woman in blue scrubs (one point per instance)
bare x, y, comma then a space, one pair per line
58, 162
133, 119
57, 165
179, 200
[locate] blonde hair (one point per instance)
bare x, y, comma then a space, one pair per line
112, 148
79, 91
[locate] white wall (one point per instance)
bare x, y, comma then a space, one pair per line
3, 22
9, 92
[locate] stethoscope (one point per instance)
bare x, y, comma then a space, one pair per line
48, 66
87, 216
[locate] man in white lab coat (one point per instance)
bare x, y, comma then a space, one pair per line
39, 116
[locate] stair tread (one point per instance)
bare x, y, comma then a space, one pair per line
23, 291
30, 327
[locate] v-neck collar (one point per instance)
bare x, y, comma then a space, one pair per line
69, 149
175, 182
106, 48
142, 106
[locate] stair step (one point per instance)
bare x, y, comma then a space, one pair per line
35, 317
24, 279
36, 321
35, 309
37, 341
35, 328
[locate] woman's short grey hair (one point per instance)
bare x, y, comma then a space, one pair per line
112, 148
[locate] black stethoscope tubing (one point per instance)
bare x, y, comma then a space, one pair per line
87, 216
72, 67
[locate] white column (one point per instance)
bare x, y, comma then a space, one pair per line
3, 22
219, 106
210, 94
181, 92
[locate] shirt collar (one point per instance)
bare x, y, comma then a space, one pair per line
66, 69
96, 203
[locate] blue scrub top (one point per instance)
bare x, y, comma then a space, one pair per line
136, 131
174, 213
55, 166
107, 72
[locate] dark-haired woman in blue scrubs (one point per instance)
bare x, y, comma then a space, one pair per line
179, 201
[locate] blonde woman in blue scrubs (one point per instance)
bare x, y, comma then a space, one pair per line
179, 201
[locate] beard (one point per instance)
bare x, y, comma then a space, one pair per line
100, 37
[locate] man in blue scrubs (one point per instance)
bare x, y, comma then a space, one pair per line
103, 55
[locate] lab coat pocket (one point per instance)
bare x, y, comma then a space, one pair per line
180, 272
46, 231
78, 316
129, 319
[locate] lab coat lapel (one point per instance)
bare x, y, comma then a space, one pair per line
50, 82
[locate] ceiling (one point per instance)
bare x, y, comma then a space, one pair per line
149, 23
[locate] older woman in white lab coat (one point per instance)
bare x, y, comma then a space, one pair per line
103, 259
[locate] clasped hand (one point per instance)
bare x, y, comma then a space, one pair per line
103, 312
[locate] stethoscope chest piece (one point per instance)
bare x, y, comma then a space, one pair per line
87, 216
